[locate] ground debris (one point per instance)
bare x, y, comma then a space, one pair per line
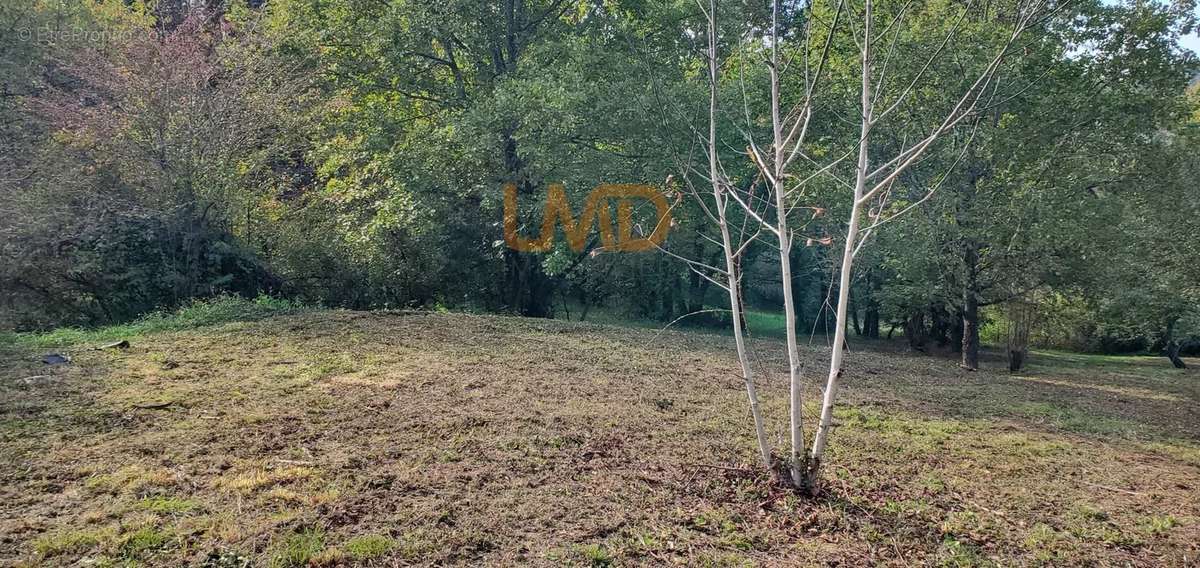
35, 379
154, 405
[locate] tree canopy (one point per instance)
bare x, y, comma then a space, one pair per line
353, 153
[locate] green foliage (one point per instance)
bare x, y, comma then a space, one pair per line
200, 313
1036, 210
145, 194
352, 154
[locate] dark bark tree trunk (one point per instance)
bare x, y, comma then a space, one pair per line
584, 297
858, 330
914, 330
871, 316
940, 327
1173, 346
566, 306
970, 252
1172, 352
970, 313
530, 292
695, 294
955, 332
1016, 360
697, 284
871, 322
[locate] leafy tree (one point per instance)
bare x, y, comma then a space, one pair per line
166, 141
1024, 210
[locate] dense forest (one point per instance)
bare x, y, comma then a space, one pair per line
353, 153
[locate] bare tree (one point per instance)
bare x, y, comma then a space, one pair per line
872, 184
721, 194
788, 132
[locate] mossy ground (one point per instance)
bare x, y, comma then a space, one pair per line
340, 438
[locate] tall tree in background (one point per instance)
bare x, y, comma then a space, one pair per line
444, 103
1148, 290
1038, 190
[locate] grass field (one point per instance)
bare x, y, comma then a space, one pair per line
342, 438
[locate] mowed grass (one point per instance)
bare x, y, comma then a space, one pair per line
379, 439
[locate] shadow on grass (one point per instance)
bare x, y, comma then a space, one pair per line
1097, 396
1100, 397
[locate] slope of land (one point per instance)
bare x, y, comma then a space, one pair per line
341, 438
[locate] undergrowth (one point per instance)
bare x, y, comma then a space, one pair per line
200, 313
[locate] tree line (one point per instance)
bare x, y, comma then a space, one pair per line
354, 153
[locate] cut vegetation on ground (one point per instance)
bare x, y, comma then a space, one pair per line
342, 438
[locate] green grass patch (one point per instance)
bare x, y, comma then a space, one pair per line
298, 548
1075, 419
768, 324
954, 552
201, 313
595, 554
1157, 525
168, 505
144, 540
368, 547
69, 542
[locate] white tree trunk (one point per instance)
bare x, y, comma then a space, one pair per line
789, 309
764, 449
839, 336
796, 460
787, 143
734, 283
